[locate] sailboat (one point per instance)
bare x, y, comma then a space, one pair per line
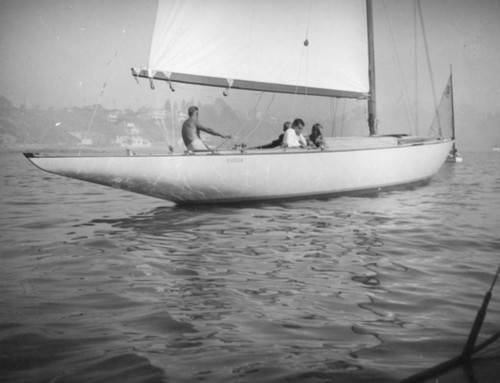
217, 44
453, 155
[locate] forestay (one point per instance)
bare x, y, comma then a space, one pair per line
309, 47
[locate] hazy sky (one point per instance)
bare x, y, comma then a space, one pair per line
61, 52
75, 52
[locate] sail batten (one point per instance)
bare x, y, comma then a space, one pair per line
289, 46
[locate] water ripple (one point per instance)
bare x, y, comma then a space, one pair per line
99, 285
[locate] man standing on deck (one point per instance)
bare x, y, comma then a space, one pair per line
191, 132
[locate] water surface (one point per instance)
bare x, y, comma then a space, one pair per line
102, 285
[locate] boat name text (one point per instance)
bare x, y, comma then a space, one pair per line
230, 160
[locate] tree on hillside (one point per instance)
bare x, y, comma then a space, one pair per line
5, 103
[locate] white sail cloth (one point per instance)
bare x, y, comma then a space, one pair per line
264, 42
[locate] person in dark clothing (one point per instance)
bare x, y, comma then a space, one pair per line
316, 137
279, 141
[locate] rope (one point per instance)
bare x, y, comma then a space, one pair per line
306, 42
305, 51
469, 348
248, 120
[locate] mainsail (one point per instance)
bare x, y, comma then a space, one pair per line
316, 47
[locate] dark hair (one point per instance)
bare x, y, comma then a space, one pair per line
316, 129
298, 121
316, 136
191, 110
286, 125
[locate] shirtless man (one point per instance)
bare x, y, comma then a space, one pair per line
191, 132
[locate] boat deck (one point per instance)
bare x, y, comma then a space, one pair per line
332, 144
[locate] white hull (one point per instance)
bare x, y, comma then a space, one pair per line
234, 176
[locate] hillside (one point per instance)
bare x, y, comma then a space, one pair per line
73, 127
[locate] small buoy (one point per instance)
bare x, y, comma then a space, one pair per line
306, 42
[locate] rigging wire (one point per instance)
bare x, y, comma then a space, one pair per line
418, 17
248, 119
429, 66
173, 114
91, 122
103, 87
89, 125
161, 122
334, 102
262, 117
343, 118
415, 57
406, 97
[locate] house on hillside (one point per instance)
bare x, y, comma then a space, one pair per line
132, 137
84, 140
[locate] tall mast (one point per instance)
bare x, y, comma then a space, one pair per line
452, 104
372, 99
452, 113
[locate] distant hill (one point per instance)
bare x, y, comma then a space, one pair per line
94, 127
71, 127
